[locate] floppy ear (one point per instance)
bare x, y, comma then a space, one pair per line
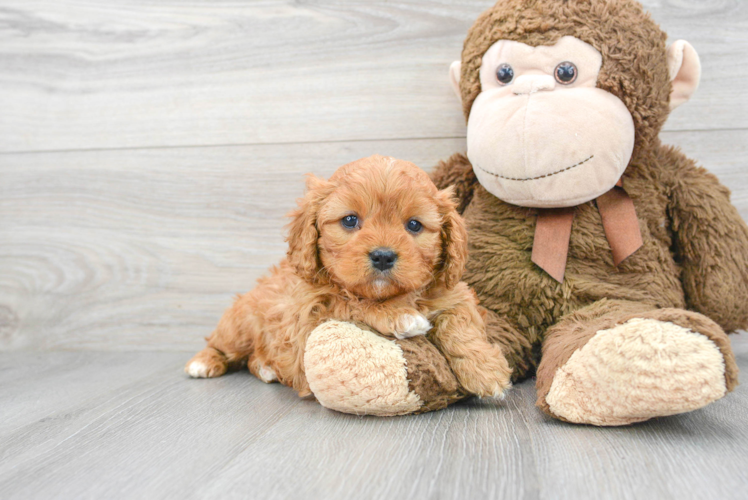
454, 240
302, 230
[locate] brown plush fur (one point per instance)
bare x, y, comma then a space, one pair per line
429, 375
328, 275
695, 252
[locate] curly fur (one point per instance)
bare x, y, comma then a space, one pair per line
328, 275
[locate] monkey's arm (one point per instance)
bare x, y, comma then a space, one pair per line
711, 242
458, 172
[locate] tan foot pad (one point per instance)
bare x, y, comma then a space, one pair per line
641, 369
356, 371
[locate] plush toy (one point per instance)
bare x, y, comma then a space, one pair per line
611, 265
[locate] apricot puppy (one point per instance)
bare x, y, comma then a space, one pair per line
377, 244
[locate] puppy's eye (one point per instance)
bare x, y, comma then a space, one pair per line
349, 222
414, 226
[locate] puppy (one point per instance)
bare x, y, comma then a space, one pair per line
376, 244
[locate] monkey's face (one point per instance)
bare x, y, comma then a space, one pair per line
541, 134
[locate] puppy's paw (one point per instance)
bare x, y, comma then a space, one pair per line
208, 363
200, 369
411, 325
496, 388
489, 378
267, 374
488, 386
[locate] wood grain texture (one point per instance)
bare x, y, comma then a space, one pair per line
148, 154
132, 425
144, 249
87, 74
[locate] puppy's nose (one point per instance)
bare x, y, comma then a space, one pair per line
383, 258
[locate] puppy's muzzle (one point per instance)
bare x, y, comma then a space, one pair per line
383, 258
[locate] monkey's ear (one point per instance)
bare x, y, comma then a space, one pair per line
685, 72
454, 78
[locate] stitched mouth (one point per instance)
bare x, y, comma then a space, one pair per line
540, 176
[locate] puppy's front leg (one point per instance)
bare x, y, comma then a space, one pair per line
410, 324
396, 319
479, 365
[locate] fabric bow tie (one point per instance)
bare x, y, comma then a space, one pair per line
550, 247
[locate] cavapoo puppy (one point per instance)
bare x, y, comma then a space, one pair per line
376, 244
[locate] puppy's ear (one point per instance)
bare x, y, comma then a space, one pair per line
302, 230
454, 240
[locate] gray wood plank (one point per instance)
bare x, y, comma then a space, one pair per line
87, 75
75, 377
166, 436
144, 249
127, 442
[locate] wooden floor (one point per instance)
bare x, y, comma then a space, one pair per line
149, 150
132, 425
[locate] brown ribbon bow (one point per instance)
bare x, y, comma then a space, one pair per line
550, 247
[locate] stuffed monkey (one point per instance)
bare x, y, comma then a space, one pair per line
611, 266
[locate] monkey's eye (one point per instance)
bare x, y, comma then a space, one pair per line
566, 73
349, 221
414, 226
505, 74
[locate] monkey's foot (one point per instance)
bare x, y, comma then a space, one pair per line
635, 371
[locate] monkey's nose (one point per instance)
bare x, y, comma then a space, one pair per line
529, 84
383, 258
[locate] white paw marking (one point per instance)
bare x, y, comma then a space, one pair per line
500, 394
412, 325
197, 370
267, 374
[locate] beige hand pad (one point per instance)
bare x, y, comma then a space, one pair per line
641, 369
356, 371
